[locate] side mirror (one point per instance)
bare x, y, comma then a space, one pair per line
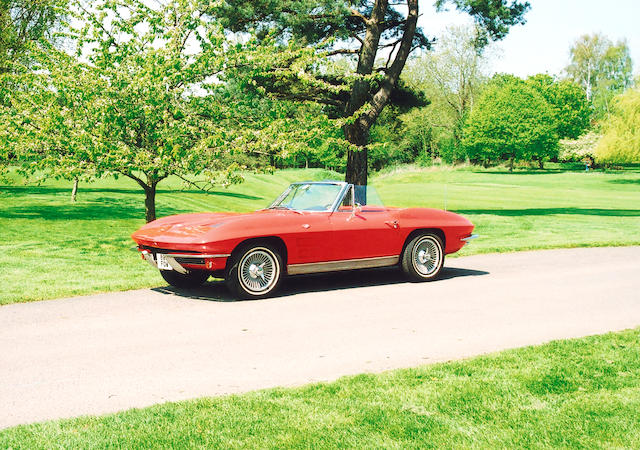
357, 209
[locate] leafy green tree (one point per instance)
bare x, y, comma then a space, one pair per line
125, 111
374, 33
511, 121
451, 78
569, 103
388, 144
603, 68
620, 142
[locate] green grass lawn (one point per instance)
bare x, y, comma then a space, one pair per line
51, 248
527, 210
582, 393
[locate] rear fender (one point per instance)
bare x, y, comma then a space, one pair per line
437, 231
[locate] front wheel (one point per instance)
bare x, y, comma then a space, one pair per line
423, 257
190, 279
255, 271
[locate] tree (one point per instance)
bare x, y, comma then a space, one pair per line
582, 149
375, 33
602, 67
511, 121
620, 142
568, 101
450, 77
137, 107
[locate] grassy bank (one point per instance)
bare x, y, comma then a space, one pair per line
582, 393
51, 248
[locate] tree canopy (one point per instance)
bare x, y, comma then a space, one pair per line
511, 121
603, 68
568, 101
621, 140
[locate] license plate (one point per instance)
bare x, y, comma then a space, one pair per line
161, 261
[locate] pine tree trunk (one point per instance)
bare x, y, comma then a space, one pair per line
357, 160
511, 164
357, 133
74, 190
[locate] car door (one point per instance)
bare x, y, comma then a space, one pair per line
308, 235
363, 232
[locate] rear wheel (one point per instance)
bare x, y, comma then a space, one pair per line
191, 279
423, 257
255, 271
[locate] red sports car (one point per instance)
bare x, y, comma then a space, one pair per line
312, 227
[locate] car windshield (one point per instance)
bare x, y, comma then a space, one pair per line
323, 196
309, 197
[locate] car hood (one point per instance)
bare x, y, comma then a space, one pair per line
183, 227
199, 228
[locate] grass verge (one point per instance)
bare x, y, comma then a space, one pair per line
51, 248
577, 393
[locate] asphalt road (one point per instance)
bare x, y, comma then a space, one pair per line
109, 352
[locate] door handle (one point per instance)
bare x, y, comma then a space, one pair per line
392, 223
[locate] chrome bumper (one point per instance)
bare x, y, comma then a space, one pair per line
470, 238
175, 265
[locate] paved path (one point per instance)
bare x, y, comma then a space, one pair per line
108, 352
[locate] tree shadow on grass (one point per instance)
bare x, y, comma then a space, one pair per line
96, 208
50, 190
93, 211
335, 281
625, 181
523, 172
552, 211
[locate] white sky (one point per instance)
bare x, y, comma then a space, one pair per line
543, 43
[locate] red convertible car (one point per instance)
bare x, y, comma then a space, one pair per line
312, 227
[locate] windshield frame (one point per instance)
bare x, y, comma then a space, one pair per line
336, 201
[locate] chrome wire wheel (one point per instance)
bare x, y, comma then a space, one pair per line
258, 271
426, 256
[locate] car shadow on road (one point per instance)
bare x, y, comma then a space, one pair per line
216, 290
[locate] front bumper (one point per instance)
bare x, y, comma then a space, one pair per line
183, 262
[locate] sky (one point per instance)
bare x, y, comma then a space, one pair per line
542, 44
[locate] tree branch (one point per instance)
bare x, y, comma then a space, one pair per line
135, 178
358, 15
100, 24
196, 185
381, 97
342, 51
367, 57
